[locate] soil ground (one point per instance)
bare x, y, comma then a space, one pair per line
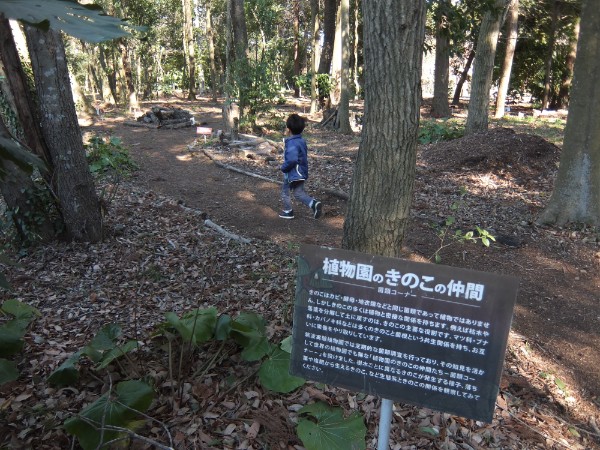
506, 178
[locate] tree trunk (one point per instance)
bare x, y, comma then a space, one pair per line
382, 185
343, 116
296, 32
336, 64
240, 33
210, 35
240, 52
314, 19
111, 76
440, 106
511, 44
189, 48
72, 181
567, 79
576, 195
17, 83
329, 23
477, 117
355, 50
463, 77
29, 213
550, 55
132, 101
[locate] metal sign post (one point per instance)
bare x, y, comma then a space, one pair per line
385, 424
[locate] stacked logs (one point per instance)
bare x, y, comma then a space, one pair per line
161, 117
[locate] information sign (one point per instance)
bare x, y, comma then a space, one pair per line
426, 334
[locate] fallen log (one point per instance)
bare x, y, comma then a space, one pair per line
131, 123
210, 224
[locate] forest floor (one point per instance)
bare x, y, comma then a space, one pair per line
158, 256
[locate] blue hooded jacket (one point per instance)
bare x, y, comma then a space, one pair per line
295, 159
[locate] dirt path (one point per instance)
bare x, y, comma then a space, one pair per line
244, 205
558, 311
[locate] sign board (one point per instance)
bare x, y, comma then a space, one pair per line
203, 130
425, 334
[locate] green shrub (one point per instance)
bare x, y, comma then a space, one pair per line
432, 131
109, 156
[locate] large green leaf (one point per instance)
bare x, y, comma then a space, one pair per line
85, 22
131, 397
8, 371
330, 430
20, 310
116, 352
274, 373
248, 330
66, 374
105, 338
196, 326
11, 341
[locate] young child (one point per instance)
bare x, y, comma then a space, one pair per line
295, 170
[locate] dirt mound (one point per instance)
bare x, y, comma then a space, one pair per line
499, 150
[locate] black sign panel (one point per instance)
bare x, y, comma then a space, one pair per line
425, 334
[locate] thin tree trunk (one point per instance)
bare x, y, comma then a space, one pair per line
72, 181
336, 64
29, 215
128, 76
567, 79
343, 116
111, 76
189, 47
296, 31
550, 55
355, 50
329, 25
17, 83
314, 18
511, 44
463, 78
440, 106
382, 186
211, 53
477, 117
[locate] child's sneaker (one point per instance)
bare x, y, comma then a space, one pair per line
317, 209
287, 214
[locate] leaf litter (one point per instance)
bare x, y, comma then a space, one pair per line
158, 257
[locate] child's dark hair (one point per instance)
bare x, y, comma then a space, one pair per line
295, 123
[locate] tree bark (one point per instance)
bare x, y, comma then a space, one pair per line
343, 117
30, 215
477, 117
382, 185
132, 101
355, 50
567, 79
210, 35
511, 44
189, 48
463, 78
17, 82
550, 55
329, 23
440, 106
576, 195
314, 19
72, 181
336, 64
296, 31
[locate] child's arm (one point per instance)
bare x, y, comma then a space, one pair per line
290, 158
